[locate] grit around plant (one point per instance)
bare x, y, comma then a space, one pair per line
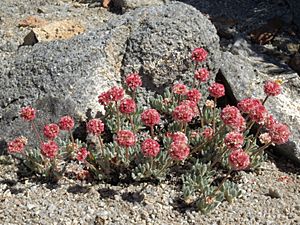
144, 143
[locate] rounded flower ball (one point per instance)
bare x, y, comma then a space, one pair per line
216, 90
194, 95
183, 113
272, 88
234, 140
232, 117
179, 137
279, 133
17, 145
179, 151
127, 106
66, 123
28, 113
150, 148
49, 149
95, 127
248, 104
179, 89
104, 99
82, 154
208, 133
199, 55
202, 75
126, 138
51, 130
239, 160
116, 93
150, 117
133, 81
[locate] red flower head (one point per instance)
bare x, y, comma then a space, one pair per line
248, 104
234, 140
269, 121
150, 148
179, 151
51, 130
49, 149
116, 93
208, 133
127, 106
199, 55
194, 95
202, 75
232, 117
133, 81
17, 145
126, 138
216, 90
239, 160
272, 88
179, 137
279, 133
183, 113
95, 127
150, 117
82, 154
104, 98
258, 114
179, 89
66, 123
28, 113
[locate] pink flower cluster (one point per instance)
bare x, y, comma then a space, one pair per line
232, 117
51, 130
150, 148
95, 127
66, 123
112, 95
279, 133
199, 55
127, 106
28, 113
272, 88
133, 81
239, 159
179, 89
82, 154
234, 140
194, 95
186, 111
179, 149
150, 117
17, 145
126, 138
201, 75
49, 149
256, 110
208, 133
216, 90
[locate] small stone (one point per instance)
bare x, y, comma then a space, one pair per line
274, 193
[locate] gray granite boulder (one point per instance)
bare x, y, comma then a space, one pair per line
126, 5
295, 8
65, 77
245, 77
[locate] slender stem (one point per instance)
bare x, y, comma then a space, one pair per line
127, 154
72, 139
266, 98
249, 127
118, 117
101, 144
253, 141
152, 131
36, 131
132, 123
222, 182
218, 158
184, 127
261, 148
214, 115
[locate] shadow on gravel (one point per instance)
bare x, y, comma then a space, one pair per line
78, 189
180, 206
106, 193
11, 183
133, 197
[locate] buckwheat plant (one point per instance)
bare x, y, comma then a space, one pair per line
174, 132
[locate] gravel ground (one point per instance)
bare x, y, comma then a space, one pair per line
270, 196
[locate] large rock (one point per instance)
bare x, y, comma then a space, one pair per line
245, 76
66, 76
126, 5
295, 8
